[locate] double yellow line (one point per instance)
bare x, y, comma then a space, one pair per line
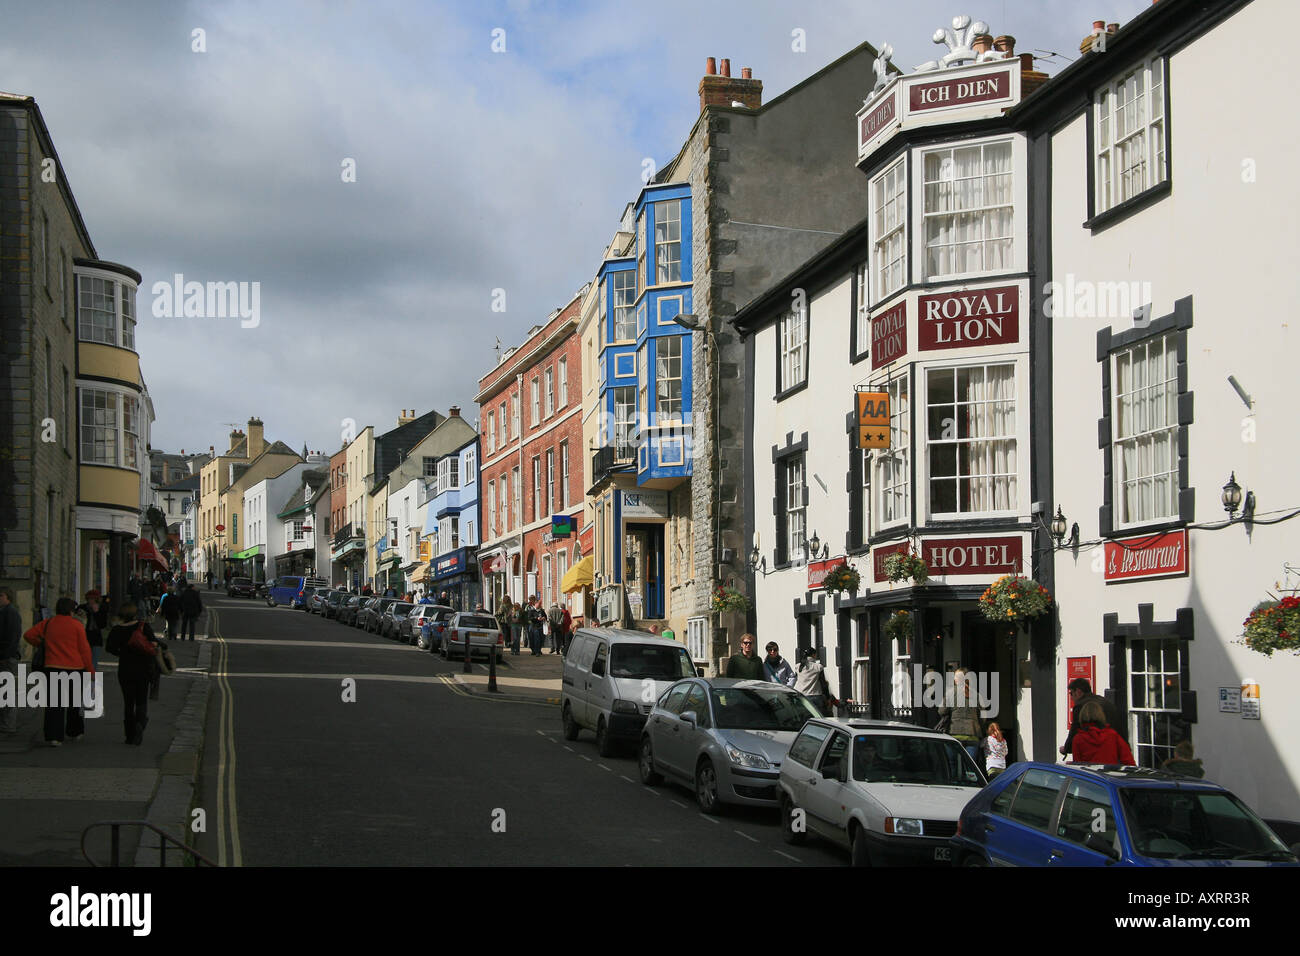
225, 749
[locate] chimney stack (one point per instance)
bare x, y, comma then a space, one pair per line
406, 417
256, 437
722, 89
1030, 79
234, 438
454, 411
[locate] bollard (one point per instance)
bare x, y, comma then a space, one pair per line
492, 671
468, 668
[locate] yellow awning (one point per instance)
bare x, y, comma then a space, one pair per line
419, 571
578, 576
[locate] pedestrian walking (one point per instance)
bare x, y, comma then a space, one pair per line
963, 713
1184, 761
208, 577
1080, 691
1097, 742
995, 751
96, 623
191, 607
810, 680
566, 630
776, 668
137, 649
520, 625
66, 652
11, 633
747, 664
555, 623
169, 606
536, 618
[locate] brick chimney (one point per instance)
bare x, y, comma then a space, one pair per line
256, 438
453, 412
407, 416
235, 435
1030, 79
719, 88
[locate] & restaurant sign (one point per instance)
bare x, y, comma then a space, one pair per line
1159, 556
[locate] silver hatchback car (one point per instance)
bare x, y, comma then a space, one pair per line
725, 738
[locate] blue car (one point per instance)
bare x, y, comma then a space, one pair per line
289, 589
1042, 814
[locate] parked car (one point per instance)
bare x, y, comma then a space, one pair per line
725, 738
334, 602
241, 587
481, 631
316, 599
888, 792
392, 618
347, 613
370, 617
612, 677
412, 629
291, 589
1041, 814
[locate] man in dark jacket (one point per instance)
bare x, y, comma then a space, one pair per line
191, 608
1080, 694
747, 664
169, 606
11, 633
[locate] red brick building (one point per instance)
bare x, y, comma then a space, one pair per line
530, 418
338, 512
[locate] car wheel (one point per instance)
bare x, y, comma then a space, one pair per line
570, 725
646, 764
973, 859
604, 746
859, 853
706, 788
789, 815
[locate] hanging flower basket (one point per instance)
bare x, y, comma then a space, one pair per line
899, 567
1013, 599
898, 626
728, 599
842, 577
1273, 626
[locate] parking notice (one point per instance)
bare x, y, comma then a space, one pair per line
873, 419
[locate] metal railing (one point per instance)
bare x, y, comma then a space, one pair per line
609, 459
164, 839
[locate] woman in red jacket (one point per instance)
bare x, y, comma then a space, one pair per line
66, 651
1097, 741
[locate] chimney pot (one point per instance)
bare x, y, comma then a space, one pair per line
454, 411
1026, 62
746, 73
1112, 28
710, 66
1006, 45
726, 68
1098, 26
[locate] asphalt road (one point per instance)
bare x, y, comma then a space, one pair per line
412, 771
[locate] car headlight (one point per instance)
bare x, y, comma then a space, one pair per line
626, 707
904, 826
743, 759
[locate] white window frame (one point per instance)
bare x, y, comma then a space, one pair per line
1014, 440
537, 486
536, 403
564, 474
893, 478
492, 431
794, 473
1143, 136
492, 509
105, 430
547, 580
469, 474
625, 425
515, 490
943, 185
668, 387
514, 416
792, 342
1161, 405
562, 398
862, 318
548, 393
1150, 697
550, 481
889, 229
668, 240
625, 291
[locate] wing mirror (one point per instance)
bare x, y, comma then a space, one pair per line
691, 718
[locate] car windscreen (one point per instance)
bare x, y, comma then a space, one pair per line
654, 661
1177, 824
476, 620
761, 708
235, 581
887, 758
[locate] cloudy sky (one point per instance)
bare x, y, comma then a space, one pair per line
475, 169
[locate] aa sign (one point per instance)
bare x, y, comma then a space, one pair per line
873, 419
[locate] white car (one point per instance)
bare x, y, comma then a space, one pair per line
480, 630
887, 792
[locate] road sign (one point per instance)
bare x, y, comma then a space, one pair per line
873, 419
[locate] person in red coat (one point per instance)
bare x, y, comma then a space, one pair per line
66, 651
1098, 742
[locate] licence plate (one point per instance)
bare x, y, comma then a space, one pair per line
478, 635
943, 853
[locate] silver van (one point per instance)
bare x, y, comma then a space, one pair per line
612, 677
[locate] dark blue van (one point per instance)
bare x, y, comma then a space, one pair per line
288, 589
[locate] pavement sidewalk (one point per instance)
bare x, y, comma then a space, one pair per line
521, 678
49, 795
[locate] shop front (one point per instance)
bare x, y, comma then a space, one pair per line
455, 575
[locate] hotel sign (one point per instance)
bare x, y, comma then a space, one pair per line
878, 559
1161, 556
960, 91
957, 320
873, 419
997, 555
889, 336
876, 121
